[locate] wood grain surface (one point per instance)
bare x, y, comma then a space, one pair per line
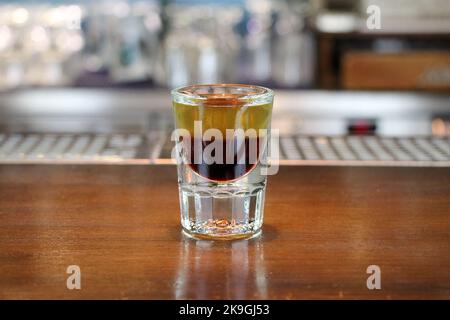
323, 227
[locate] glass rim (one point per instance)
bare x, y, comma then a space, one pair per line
260, 96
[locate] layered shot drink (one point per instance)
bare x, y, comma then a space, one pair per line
222, 134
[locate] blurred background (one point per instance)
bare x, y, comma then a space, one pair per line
278, 43
103, 68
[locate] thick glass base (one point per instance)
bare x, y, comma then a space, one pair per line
223, 212
227, 237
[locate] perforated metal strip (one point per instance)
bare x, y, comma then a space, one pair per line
88, 147
156, 147
423, 150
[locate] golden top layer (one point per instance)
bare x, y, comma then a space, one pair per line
222, 114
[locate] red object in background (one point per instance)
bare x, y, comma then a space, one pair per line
362, 127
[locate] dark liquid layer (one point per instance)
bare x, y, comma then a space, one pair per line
243, 160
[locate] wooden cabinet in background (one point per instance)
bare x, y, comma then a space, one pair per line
409, 70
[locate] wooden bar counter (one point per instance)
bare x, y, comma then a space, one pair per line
323, 227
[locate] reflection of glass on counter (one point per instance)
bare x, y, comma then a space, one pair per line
242, 260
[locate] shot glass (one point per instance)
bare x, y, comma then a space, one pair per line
222, 135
